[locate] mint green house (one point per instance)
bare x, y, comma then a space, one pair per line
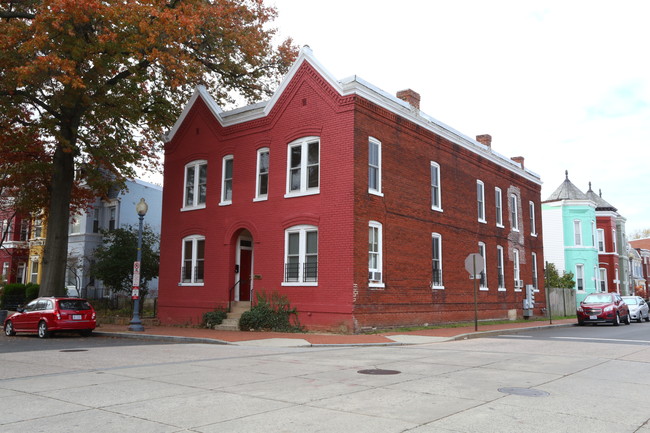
569, 223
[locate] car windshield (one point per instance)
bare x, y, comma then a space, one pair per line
631, 301
597, 299
74, 304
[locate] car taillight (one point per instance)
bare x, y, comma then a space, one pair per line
93, 315
57, 313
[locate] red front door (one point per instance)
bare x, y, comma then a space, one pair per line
245, 259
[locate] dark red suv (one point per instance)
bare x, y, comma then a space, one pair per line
603, 308
47, 315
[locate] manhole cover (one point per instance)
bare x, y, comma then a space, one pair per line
526, 392
378, 371
73, 350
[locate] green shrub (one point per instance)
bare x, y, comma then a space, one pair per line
13, 296
273, 314
31, 291
212, 318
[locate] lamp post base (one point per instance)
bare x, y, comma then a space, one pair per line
136, 326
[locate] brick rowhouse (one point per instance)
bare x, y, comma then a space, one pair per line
362, 216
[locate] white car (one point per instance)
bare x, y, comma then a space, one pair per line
639, 309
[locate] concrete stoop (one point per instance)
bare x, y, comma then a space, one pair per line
231, 323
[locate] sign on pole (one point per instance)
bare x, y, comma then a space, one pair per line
474, 265
136, 274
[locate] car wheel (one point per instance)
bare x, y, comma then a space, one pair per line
627, 320
9, 329
42, 330
647, 317
640, 319
581, 323
617, 320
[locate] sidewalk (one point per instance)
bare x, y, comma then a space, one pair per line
280, 339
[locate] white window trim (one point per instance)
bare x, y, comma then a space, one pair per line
483, 252
380, 259
302, 245
224, 161
258, 196
614, 244
514, 212
600, 272
577, 233
498, 198
378, 190
194, 239
195, 205
535, 273
437, 236
304, 190
600, 234
582, 275
481, 200
439, 192
533, 224
500, 257
516, 268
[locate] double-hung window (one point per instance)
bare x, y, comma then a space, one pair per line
226, 180
601, 240
480, 198
262, 184
603, 279
375, 265
534, 268
515, 260
483, 276
577, 232
303, 170
374, 166
301, 255
498, 200
196, 174
500, 268
614, 241
436, 199
580, 276
514, 212
531, 210
193, 260
436, 261
33, 277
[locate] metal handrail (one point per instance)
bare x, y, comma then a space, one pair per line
231, 294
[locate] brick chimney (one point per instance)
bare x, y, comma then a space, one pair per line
485, 139
410, 96
519, 159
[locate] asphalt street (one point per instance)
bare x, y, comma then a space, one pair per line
522, 383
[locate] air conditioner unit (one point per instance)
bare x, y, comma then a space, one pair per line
374, 276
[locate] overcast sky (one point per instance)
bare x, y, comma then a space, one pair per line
565, 84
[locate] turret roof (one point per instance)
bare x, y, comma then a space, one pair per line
567, 191
601, 203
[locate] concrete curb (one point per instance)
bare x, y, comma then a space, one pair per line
259, 343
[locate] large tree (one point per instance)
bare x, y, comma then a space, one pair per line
87, 86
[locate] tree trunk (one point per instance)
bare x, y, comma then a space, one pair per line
56, 241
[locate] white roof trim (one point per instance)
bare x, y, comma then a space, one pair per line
348, 86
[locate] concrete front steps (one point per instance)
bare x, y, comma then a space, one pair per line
231, 323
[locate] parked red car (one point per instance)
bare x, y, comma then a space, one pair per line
603, 308
47, 315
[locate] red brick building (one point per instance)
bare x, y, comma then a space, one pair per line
608, 249
14, 253
349, 201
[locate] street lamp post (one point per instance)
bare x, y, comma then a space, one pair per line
135, 324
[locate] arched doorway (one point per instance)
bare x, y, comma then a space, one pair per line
244, 266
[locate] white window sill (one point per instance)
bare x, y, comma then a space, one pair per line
262, 198
437, 287
501, 289
437, 209
517, 290
191, 284
375, 192
534, 235
376, 285
483, 289
482, 221
225, 203
500, 226
299, 284
515, 230
190, 208
302, 193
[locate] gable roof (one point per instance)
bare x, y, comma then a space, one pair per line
567, 191
353, 85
